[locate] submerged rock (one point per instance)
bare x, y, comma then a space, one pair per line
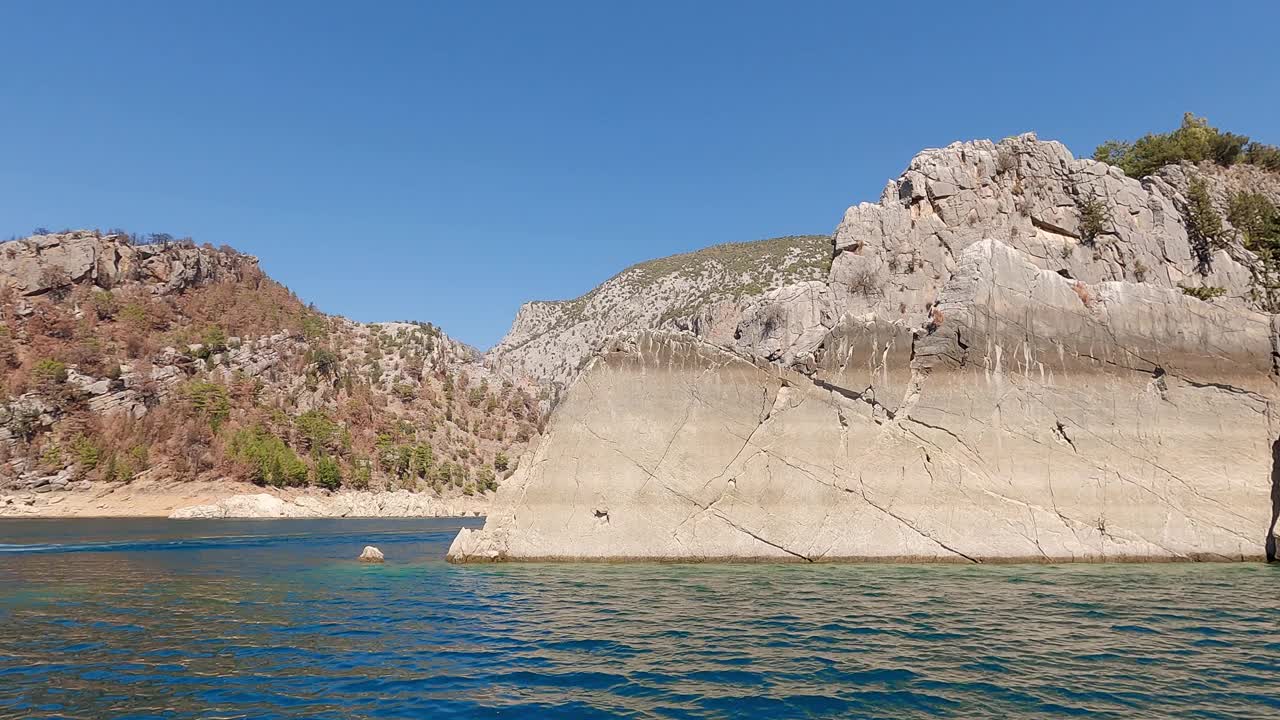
371, 554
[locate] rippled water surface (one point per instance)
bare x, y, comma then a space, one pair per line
274, 619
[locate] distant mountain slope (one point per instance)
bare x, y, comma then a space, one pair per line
175, 360
708, 292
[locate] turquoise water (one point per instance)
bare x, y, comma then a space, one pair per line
274, 619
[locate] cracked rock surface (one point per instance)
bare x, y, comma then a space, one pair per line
983, 385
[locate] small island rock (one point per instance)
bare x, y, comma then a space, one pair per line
371, 554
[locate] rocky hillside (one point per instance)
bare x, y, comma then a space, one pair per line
764, 286
1016, 355
124, 360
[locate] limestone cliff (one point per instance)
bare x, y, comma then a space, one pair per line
997, 382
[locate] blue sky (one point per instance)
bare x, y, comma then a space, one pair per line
448, 161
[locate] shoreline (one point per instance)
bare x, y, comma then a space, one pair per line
915, 560
228, 499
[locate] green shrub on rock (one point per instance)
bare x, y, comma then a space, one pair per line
268, 460
328, 473
49, 374
1194, 141
1266, 157
86, 452
214, 340
362, 474
421, 459
1204, 225
1258, 220
1255, 216
124, 466
1203, 292
325, 361
316, 429
1093, 218
104, 304
52, 458
208, 400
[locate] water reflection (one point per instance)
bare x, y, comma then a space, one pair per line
232, 626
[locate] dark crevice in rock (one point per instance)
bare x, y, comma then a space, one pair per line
770, 543
1275, 501
1161, 385
1051, 228
1275, 347
841, 391
1220, 386
1060, 432
866, 396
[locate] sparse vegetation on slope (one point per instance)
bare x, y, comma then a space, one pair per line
724, 271
550, 338
234, 376
1194, 141
1257, 220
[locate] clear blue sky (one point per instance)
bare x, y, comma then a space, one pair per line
445, 161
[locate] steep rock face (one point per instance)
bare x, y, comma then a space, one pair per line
762, 297
991, 382
1033, 426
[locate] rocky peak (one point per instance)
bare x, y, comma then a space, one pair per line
1030, 194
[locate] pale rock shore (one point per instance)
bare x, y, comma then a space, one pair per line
227, 499
400, 503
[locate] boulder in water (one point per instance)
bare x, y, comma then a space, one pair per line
371, 554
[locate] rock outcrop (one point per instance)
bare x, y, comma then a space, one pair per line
996, 384
371, 554
47, 263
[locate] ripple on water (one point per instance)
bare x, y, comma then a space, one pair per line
276, 620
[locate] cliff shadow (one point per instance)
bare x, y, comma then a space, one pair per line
1275, 501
